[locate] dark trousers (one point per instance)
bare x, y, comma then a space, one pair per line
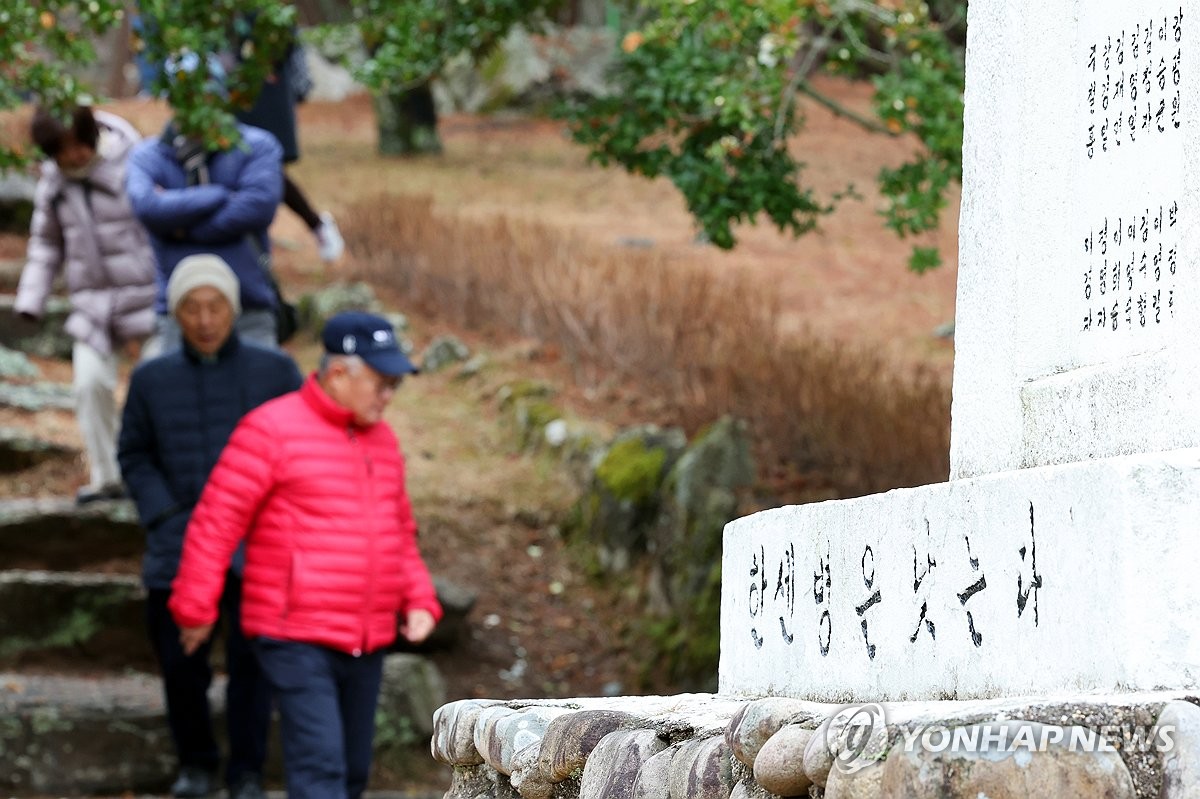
327, 705
186, 680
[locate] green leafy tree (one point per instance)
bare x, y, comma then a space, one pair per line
38, 40
408, 45
242, 39
42, 42
706, 94
410, 42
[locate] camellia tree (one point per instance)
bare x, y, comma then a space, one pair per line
42, 40
38, 38
707, 92
215, 56
409, 44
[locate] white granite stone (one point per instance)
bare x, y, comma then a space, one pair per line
612, 767
1058, 579
1181, 765
1037, 380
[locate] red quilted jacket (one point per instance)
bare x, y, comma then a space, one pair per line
331, 546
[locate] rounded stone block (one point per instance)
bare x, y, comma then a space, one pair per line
818, 759
702, 769
506, 734
487, 742
654, 775
865, 784
612, 768
453, 741
570, 738
1181, 765
999, 767
749, 789
528, 779
757, 721
779, 766
454, 726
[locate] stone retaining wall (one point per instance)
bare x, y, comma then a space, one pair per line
705, 746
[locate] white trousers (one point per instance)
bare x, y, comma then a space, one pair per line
95, 381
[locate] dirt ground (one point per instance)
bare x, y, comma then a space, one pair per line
488, 512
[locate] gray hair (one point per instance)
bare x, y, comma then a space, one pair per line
353, 363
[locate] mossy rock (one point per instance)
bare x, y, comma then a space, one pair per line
316, 308
511, 393
699, 497
631, 470
531, 416
442, 352
622, 500
686, 647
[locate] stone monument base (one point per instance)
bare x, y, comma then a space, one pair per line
700, 746
1068, 579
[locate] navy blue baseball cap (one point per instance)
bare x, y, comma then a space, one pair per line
371, 338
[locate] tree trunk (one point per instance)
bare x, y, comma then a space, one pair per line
407, 122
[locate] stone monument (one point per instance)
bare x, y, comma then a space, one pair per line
1050, 582
1057, 557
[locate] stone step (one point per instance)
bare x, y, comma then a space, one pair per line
45, 338
16, 365
17, 189
94, 621
98, 735
81, 735
58, 535
10, 273
39, 396
20, 451
79, 620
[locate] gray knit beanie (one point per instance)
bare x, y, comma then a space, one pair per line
205, 269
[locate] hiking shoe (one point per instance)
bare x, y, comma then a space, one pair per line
194, 782
88, 494
247, 787
329, 238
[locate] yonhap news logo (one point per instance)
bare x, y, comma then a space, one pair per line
857, 736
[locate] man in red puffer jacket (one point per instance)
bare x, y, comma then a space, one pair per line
314, 483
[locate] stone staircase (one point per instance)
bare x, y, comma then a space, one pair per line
81, 706
81, 710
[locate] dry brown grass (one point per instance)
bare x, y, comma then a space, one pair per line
709, 343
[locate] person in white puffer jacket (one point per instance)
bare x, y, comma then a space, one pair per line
84, 228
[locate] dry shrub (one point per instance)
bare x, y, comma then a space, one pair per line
708, 342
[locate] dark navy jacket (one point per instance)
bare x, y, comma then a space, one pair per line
244, 189
180, 411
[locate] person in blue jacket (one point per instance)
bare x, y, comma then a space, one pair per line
192, 200
179, 412
274, 109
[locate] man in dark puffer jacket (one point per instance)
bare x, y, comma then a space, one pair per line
179, 413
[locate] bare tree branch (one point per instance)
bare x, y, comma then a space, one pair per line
842, 111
